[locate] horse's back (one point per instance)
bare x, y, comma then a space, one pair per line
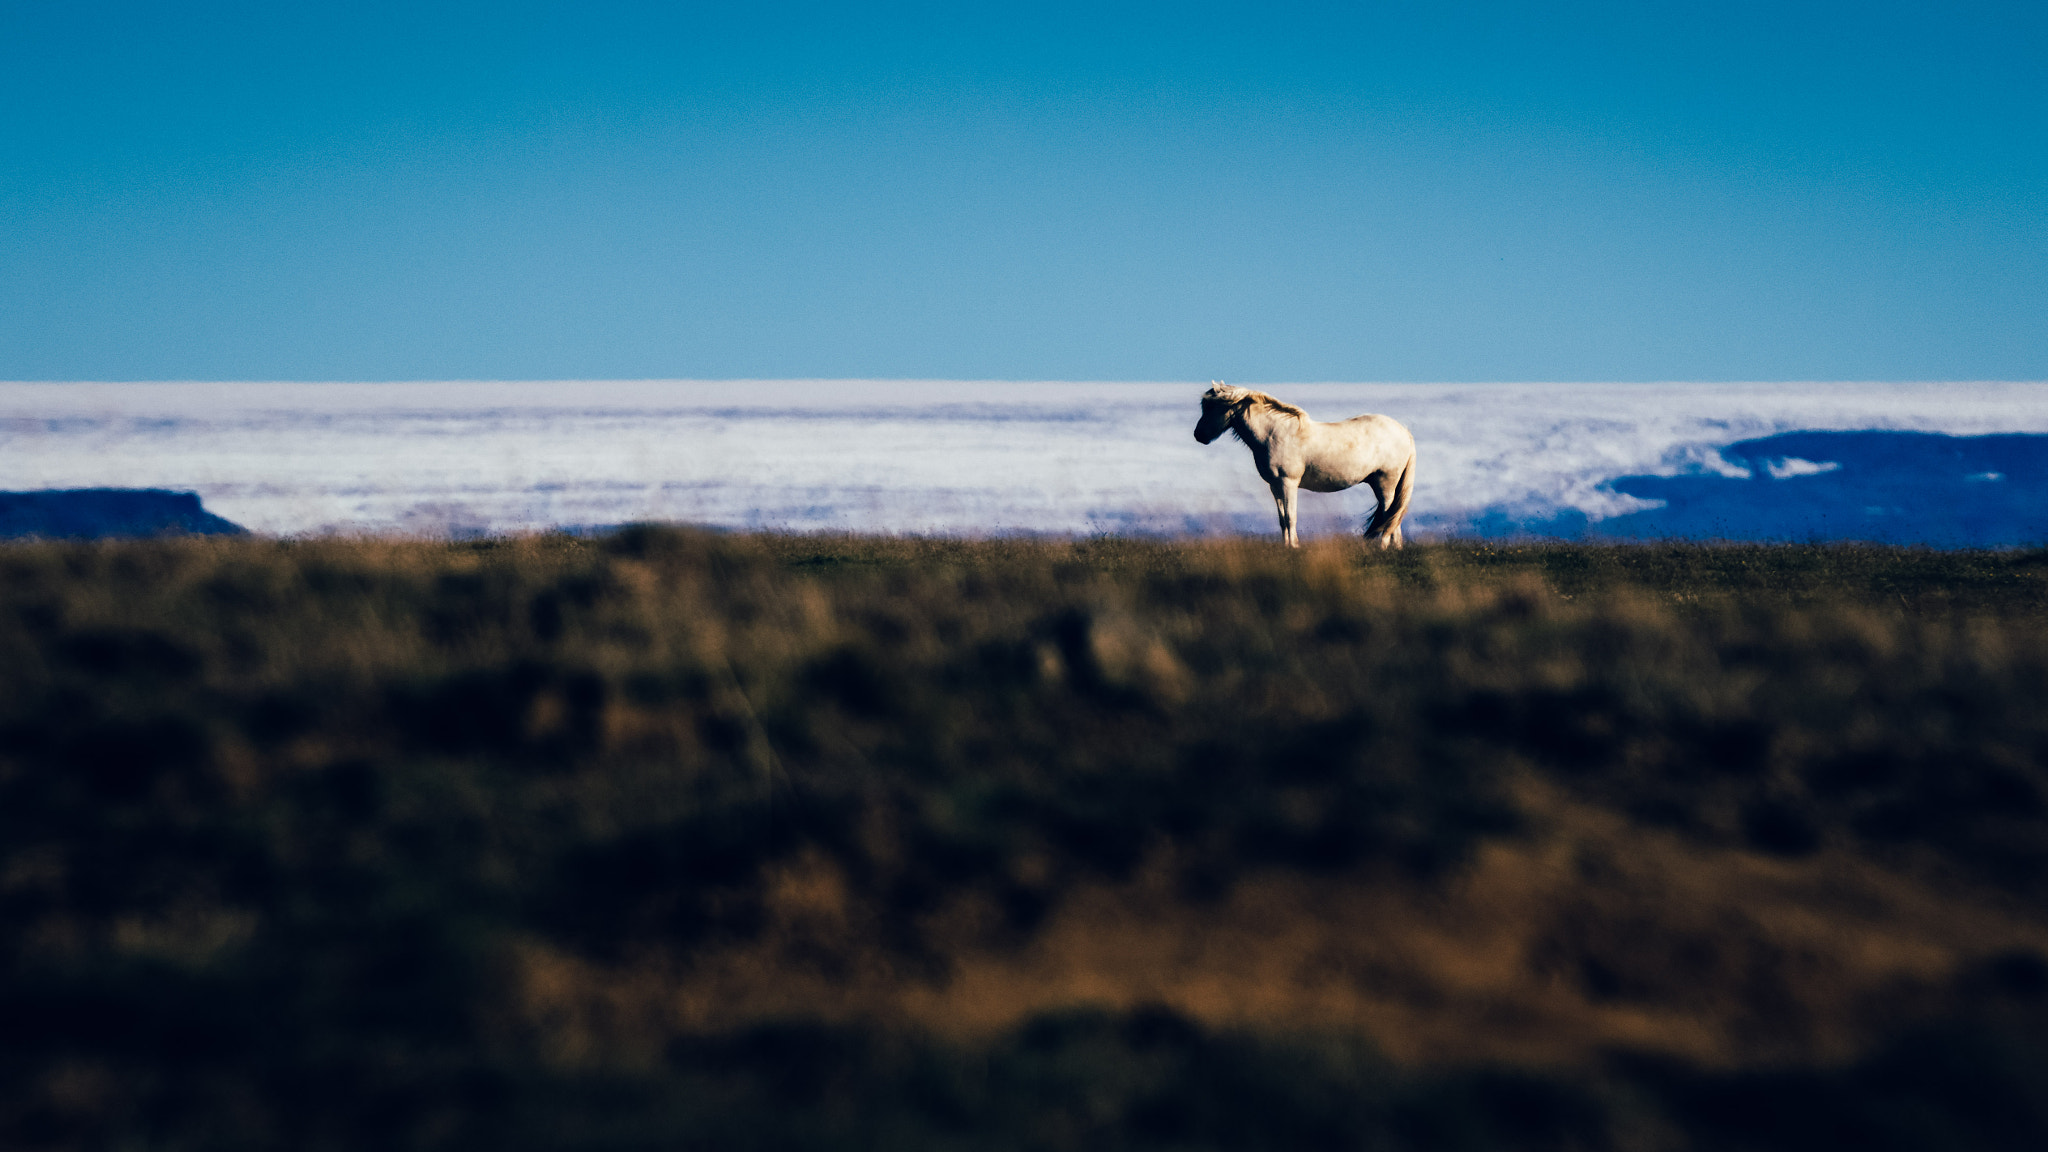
1378, 425
1352, 450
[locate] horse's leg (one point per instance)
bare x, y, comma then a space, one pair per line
1397, 509
1377, 528
1284, 491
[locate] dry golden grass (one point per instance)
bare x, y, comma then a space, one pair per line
287, 825
1555, 949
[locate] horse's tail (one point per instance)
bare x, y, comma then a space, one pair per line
1385, 525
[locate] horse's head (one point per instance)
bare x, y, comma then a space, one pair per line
1219, 404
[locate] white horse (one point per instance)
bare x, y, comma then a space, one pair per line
1293, 452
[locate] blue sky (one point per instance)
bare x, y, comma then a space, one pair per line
1402, 191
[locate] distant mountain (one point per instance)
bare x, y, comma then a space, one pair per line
93, 513
1881, 486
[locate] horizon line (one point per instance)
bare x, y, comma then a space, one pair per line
1022, 380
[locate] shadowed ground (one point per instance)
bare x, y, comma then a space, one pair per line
667, 839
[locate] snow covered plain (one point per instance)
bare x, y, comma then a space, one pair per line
968, 458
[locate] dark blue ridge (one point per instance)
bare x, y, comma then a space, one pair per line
1886, 487
96, 513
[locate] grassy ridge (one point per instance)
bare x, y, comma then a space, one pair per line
672, 837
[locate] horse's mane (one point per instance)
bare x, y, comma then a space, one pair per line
1245, 396
1278, 405
1233, 396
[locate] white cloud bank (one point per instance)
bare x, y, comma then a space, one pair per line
893, 456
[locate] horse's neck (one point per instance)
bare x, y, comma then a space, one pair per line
1260, 423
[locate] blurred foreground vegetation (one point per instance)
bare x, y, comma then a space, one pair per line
674, 839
